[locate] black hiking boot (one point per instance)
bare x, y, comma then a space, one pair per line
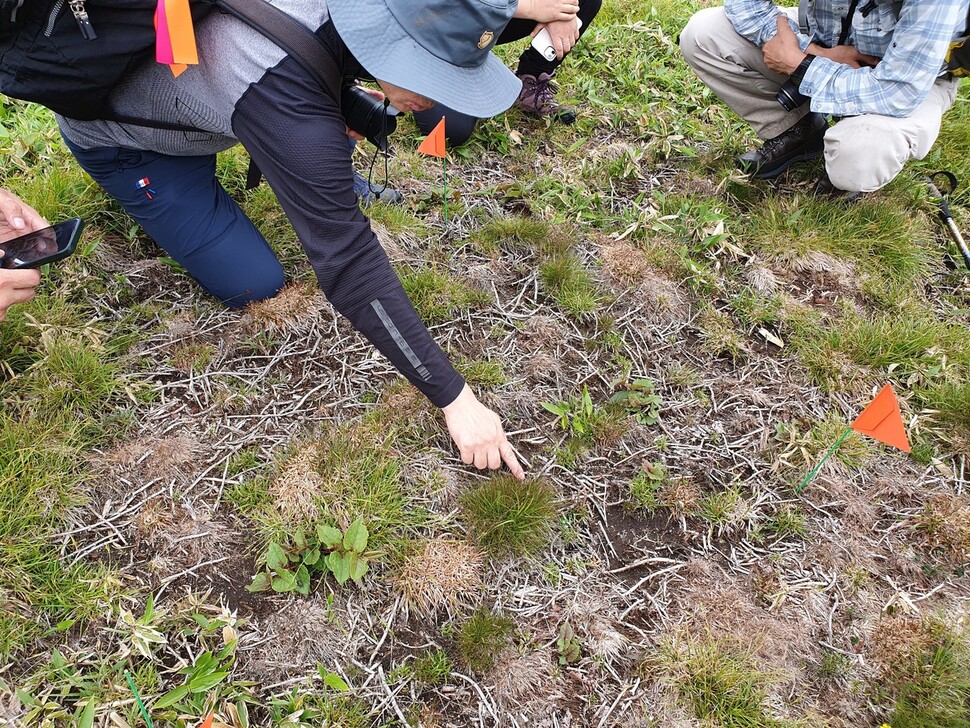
805, 140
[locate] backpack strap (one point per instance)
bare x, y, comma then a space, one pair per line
297, 40
289, 34
803, 16
293, 37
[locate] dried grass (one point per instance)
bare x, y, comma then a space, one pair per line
440, 574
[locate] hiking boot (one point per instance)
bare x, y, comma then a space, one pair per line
805, 140
369, 193
538, 97
825, 188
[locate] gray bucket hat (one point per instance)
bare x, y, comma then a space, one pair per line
437, 48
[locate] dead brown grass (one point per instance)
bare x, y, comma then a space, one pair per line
296, 488
440, 574
291, 310
945, 525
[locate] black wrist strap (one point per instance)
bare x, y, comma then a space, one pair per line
799, 73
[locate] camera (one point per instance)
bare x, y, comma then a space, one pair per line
367, 116
789, 96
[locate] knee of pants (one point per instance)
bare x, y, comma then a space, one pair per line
260, 285
859, 159
236, 275
692, 38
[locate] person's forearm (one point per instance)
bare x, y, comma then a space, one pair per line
546, 11
901, 80
391, 324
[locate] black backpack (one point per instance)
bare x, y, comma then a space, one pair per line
958, 54
68, 55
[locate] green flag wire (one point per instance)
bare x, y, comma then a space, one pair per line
141, 705
808, 478
444, 172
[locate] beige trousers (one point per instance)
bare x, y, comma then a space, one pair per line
862, 153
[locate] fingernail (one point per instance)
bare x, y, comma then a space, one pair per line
18, 222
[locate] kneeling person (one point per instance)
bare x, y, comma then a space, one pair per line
878, 71
248, 90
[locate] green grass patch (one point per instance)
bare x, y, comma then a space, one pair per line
346, 472
437, 296
926, 674
482, 637
506, 516
720, 684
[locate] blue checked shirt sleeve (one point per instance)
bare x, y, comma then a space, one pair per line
757, 21
900, 82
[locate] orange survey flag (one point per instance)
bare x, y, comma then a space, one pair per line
882, 420
175, 35
434, 143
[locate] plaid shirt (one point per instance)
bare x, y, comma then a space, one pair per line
912, 49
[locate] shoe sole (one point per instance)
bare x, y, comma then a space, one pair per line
778, 171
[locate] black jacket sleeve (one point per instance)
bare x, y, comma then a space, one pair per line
296, 136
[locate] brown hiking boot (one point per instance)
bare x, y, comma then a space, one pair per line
538, 97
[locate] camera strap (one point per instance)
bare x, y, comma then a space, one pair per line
847, 22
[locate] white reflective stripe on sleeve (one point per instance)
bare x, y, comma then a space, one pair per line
400, 341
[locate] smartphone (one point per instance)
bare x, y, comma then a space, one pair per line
543, 42
42, 246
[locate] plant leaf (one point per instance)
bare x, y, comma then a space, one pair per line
311, 557
356, 537
206, 682
358, 566
284, 581
340, 566
336, 682
303, 580
171, 697
242, 712
329, 536
260, 583
87, 717
276, 556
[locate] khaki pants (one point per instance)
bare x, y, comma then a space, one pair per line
862, 153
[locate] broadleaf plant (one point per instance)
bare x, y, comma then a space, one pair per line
290, 566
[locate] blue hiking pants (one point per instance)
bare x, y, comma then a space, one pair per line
181, 205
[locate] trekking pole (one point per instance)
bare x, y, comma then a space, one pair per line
943, 210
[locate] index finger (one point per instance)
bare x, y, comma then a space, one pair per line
508, 456
14, 209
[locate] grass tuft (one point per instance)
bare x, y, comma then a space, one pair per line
719, 683
506, 516
437, 296
482, 637
925, 668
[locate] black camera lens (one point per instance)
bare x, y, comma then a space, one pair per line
367, 116
789, 96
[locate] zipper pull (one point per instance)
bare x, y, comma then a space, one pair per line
83, 22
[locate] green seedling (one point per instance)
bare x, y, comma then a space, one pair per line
568, 645
640, 400
289, 567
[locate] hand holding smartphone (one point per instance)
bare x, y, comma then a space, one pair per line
543, 42
39, 247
